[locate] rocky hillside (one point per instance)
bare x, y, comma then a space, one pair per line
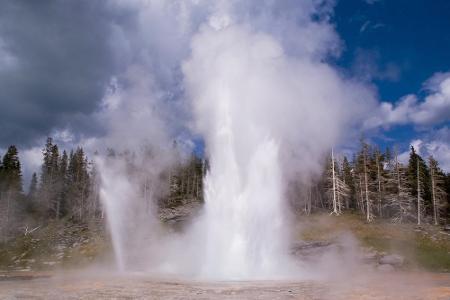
58, 244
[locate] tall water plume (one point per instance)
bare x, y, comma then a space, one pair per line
267, 119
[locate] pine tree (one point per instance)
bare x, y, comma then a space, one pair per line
78, 189
438, 194
446, 186
32, 191
347, 178
95, 208
61, 185
10, 191
11, 171
48, 192
419, 183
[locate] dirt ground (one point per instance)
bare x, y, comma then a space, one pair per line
103, 286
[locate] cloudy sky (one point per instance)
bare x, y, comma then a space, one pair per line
68, 67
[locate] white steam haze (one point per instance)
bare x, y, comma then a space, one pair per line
141, 154
251, 79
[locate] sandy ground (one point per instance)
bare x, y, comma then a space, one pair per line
89, 286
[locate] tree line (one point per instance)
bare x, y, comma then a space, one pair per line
374, 183
379, 186
67, 186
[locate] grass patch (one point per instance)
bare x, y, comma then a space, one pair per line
432, 255
60, 243
425, 247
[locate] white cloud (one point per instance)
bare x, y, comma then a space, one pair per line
436, 145
434, 109
368, 66
63, 136
31, 160
368, 25
370, 2
364, 26
7, 59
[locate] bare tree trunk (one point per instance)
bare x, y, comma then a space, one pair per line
433, 194
8, 208
57, 208
347, 205
361, 196
147, 204
308, 206
379, 183
366, 187
82, 203
397, 169
339, 203
335, 211
418, 194
320, 197
196, 186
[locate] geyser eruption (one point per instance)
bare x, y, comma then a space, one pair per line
243, 210
131, 172
268, 108
243, 218
266, 117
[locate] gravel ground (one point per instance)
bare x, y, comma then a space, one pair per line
89, 286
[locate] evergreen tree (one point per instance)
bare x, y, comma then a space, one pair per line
447, 192
347, 178
78, 189
32, 192
11, 171
48, 192
365, 182
61, 185
438, 194
10, 192
419, 183
95, 208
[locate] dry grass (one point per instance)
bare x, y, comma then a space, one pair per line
425, 247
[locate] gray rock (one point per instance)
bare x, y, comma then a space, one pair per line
370, 256
385, 268
311, 250
393, 259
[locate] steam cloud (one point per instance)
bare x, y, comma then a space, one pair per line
251, 79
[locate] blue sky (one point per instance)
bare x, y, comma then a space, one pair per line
413, 35
404, 42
